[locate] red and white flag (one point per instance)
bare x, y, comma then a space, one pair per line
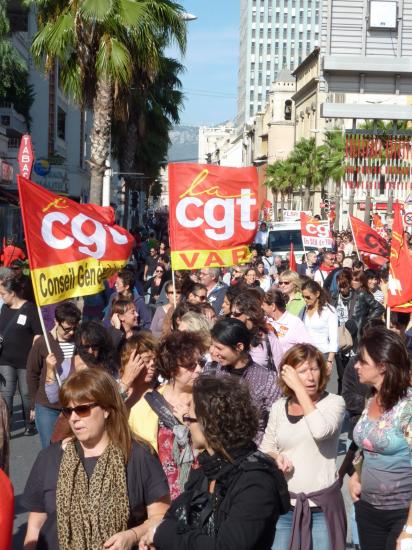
400, 267
316, 233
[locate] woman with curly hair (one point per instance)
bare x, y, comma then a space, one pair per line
302, 435
382, 492
157, 417
265, 348
234, 498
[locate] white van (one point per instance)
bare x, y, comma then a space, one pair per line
281, 235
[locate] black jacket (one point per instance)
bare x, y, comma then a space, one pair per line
354, 393
241, 514
363, 307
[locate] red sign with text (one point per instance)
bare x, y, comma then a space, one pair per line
213, 214
315, 232
25, 156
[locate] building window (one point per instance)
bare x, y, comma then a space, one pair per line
288, 109
61, 123
268, 81
253, 48
252, 96
262, 17
277, 17
253, 33
261, 33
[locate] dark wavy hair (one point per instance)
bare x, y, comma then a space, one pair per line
128, 278
231, 332
314, 287
225, 424
275, 296
178, 350
69, 312
192, 289
387, 349
12, 284
248, 304
93, 333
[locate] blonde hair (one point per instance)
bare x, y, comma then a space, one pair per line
293, 277
196, 322
95, 385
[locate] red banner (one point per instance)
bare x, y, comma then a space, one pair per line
400, 268
213, 214
367, 239
72, 247
315, 232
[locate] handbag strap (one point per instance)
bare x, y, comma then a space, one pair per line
159, 405
8, 325
271, 361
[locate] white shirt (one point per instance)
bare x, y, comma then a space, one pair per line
311, 443
261, 237
320, 276
323, 329
290, 330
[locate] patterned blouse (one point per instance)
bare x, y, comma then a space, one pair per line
387, 449
165, 440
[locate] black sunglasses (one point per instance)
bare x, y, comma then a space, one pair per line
189, 419
66, 330
236, 314
81, 410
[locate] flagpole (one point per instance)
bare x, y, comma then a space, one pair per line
46, 339
353, 237
174, 287
388, 317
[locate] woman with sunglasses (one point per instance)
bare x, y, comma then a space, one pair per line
99, 488
289, 284
196, 293
320, 319
157, 417
235, 497
230, 350
154, 285
265, 348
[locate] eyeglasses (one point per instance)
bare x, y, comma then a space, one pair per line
67, 330
159, 271
306, 297
201, 297
81, 410
283, 283
236, 314
189, 419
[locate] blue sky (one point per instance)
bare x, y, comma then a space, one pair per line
211, 61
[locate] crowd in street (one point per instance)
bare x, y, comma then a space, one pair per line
193, 410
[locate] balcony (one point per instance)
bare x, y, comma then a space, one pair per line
12, 120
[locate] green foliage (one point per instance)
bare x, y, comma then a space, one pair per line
14, 87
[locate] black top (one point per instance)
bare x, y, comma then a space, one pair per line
146, 484
18, 339
241, 514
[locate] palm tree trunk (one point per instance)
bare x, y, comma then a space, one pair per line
306, 197
127, 160
351, 200
282, 202
367, 218
100, 137
338, 191
275, 205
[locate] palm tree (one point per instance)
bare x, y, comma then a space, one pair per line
306, 162
95, 43
333, 164
279, 178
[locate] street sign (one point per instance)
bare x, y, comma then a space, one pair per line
25, 156
407, 218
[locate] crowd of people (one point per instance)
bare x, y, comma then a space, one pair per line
199, 410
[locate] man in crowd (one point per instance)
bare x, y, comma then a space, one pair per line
209, 276
151, 263
325, 267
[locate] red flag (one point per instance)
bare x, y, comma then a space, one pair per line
315, 232
292, 259
72, 247
367, 239
400, 267
213, 214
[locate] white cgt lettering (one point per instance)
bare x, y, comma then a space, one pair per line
47, 230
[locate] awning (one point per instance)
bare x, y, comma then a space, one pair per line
10, 196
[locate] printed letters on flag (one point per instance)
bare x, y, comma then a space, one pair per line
72, 247
400, 267
315, 232
367, 239
213, 214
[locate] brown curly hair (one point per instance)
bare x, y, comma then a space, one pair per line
225, 412
141, 342
178, 350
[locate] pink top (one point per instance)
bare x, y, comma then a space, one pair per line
290, 330
259, 353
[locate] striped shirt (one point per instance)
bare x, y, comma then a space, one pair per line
67, 349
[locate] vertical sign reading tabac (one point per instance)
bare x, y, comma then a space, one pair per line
213, 214
25, 156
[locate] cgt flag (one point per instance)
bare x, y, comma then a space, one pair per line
315, 232
400, 267
367, 239
72, 247
213, 214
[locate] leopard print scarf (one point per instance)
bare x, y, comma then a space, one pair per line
89, 512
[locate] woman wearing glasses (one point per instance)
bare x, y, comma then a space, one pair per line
99, 488
302, 435
154, 285
289, 284
157, 417
321, 320
196, 294
164, 311
234, 498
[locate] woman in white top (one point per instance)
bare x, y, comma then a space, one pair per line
302, 436
321, 320
264, 279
